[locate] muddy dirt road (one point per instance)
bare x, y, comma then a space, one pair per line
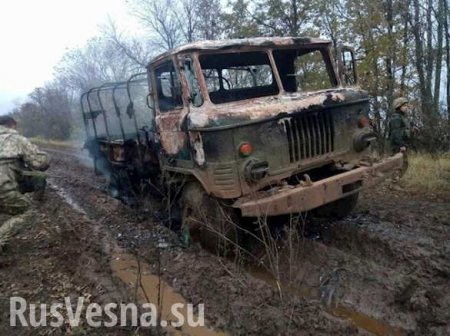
384, 270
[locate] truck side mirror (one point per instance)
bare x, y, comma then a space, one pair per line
347, 66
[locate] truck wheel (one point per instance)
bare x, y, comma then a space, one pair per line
337, 209
214, 224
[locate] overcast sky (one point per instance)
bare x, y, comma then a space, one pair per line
34, 35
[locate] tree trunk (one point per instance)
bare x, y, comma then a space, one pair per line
294, 18
437, 78
405, 51
447, 52
429, 49
425, 92
390, 62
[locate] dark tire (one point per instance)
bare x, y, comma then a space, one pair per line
338, 209
209, 221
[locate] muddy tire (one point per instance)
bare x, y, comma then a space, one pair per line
213, 224
337, 209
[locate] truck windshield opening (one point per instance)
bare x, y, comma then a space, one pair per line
303, 70
238, 76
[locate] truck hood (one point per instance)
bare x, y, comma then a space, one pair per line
259, 109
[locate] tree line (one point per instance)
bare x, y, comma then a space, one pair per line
402, 46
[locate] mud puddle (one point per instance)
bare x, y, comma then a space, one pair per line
358, 319
365, 322
149, 288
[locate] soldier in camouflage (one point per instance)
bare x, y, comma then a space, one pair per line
21, 167
399, 126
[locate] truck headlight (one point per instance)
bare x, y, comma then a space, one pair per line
363, 140
255, 170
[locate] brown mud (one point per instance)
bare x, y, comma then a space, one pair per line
384, 270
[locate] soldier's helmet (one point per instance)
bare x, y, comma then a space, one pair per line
398, 102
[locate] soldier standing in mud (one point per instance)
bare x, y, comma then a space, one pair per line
21, 167
399, 129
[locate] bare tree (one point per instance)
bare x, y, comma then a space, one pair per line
47, 113
189, 20
161, 18
98, 62
138, 51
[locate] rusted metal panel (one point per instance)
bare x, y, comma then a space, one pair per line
295, 199
173, 139
257, 109
239, 44
270, 141
197, 146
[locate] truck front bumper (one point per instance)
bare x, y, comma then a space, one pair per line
294, 199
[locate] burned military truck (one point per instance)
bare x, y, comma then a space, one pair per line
251, 127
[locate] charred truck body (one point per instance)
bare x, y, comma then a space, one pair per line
257, 127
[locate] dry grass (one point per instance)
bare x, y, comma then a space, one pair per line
427, 172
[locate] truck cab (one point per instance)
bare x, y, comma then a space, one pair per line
269, 126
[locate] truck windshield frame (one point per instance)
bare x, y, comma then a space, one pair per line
238, 76
305, 69
235, 76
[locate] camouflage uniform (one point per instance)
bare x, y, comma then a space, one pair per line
399, 130
18, 158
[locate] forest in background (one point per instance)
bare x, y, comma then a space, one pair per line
402, 47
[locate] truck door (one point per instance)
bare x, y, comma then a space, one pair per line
171, 114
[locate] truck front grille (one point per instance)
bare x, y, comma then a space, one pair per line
309, 135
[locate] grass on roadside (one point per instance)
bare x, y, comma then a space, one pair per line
428, 172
